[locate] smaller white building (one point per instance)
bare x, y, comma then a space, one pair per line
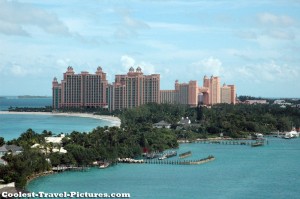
185, 121
55, 140
162, 124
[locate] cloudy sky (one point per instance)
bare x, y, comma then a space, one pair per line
252, 44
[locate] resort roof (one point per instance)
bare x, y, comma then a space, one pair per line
3, 149
13, 148
163, 123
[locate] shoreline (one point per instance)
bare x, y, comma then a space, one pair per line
115, 121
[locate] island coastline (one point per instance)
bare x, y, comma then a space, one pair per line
114, 120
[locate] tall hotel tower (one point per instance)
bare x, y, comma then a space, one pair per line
134, 89
80, 90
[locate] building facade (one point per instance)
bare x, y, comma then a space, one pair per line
191, 94
134, 89
80, 90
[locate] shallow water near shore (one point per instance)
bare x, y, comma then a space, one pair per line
13, 125
271, 171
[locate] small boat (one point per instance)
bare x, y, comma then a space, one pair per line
257, 144
291, 134
104, 165
171, 154
162, 157
152, 155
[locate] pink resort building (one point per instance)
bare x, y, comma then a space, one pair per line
80, 90
134, 89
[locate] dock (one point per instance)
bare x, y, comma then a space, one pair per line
231, 142
182, 162
165, 162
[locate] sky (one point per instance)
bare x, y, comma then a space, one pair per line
252, 44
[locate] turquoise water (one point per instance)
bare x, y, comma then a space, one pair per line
11, 126
6, 102
271, 171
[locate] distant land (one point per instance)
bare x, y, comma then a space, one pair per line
25, 97
31, 96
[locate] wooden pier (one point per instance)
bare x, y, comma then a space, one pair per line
231, 142
181, 162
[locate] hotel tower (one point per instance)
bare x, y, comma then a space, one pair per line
80, 90
133, 89
191, 94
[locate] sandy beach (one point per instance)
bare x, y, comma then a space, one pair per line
114, 120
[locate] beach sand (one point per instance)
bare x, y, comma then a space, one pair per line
114, 120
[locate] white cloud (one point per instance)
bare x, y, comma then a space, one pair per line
209, 66
129, 26
147, 68
12, 29
16, 16
277, 20
127, 61
281, 34
17, 70
268, 71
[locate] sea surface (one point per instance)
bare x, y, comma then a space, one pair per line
13, 101
239, 172
13, 125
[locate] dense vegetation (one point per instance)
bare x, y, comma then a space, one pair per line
31, 109
232, 120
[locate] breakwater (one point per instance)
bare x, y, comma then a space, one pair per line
186, 154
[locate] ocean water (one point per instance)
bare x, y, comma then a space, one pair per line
12, 126
6, 102
239, 172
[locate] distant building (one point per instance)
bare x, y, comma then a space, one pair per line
191, 94
162, 124
80, 90
10, 149
184, 121
282, 103
168, 96
135, 89
13, 149
256, 102
3, 151
55, 140
228, 94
